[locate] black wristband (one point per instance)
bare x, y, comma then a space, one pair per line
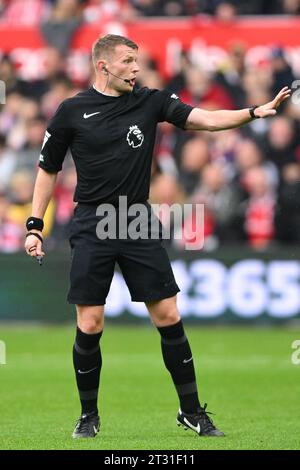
252, 113
34, 223
36, 235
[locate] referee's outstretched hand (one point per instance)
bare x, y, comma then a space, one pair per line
33, 245
269, 109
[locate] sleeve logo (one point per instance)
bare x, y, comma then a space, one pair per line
47, 136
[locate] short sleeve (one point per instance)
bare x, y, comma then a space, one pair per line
173, 109
57, 139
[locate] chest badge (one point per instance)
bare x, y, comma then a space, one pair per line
135, 137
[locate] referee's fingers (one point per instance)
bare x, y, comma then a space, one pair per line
282, 95
33, 247
39, 251
31, 251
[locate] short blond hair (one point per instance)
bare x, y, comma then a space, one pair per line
105, 46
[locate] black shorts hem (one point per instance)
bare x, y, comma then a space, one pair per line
86, 302
156, 296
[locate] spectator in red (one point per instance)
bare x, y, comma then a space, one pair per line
202, 91
260, 207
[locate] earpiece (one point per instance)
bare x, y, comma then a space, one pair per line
126, 80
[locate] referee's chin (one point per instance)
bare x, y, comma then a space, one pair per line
126, 88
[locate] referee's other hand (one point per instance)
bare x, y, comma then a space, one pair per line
269, 109
33, 245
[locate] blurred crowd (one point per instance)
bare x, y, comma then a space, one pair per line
248, 178
73, 12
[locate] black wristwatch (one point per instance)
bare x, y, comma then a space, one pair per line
252, 113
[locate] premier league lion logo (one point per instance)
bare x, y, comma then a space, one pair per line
135, 137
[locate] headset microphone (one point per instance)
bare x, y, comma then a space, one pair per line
126, 80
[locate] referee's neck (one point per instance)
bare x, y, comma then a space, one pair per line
102, 93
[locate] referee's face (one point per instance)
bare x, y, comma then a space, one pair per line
122, 64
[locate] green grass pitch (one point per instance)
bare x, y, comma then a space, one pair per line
245, 375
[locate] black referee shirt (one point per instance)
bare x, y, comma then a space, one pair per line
111, 140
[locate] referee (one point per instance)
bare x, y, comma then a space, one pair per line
110, 129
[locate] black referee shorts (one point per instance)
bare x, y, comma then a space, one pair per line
144, 263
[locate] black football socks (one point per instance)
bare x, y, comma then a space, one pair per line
87, 362
178, 360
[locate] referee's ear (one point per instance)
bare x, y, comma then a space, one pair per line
102, 66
